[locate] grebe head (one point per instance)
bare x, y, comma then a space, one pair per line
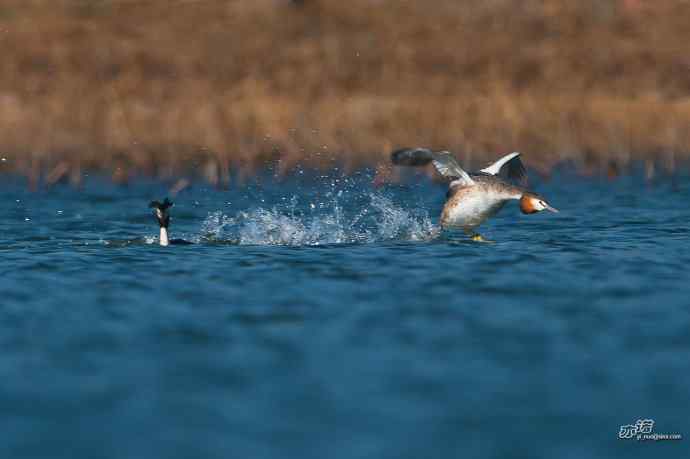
161, 212
531, 203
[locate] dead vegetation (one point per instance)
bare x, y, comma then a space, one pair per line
218, 87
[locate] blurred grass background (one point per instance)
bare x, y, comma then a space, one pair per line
216, 88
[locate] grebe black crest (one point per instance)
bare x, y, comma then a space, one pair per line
473, 198
162, 214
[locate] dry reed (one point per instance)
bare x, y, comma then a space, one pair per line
215, 88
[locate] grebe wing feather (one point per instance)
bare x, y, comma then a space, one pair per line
446, 165
509, 167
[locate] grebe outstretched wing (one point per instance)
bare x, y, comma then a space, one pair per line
444, 162
446, 165
509, 167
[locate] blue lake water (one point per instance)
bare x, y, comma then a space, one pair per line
319, 317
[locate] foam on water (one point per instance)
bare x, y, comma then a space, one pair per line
323, 223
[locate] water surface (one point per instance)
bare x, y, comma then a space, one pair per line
321, 317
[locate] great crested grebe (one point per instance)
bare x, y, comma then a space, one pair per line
162, 215
475, 197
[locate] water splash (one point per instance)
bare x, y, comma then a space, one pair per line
329, 222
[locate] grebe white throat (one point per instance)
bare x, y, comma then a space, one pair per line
163, 238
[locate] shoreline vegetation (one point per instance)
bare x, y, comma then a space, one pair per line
217, 88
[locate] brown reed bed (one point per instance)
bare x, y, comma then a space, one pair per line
216, 88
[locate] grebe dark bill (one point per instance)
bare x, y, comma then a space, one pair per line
162, 214
473, 198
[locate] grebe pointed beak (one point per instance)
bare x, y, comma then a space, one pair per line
551, 209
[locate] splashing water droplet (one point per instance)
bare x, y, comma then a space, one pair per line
328, 223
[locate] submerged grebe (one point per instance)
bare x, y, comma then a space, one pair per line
474, 198
163, 217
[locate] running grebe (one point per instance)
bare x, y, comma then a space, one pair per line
474, 198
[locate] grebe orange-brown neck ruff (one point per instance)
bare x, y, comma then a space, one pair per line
474, 198
531, 203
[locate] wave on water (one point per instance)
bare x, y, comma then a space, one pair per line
306, 223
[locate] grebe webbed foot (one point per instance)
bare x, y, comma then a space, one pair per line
476, 237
